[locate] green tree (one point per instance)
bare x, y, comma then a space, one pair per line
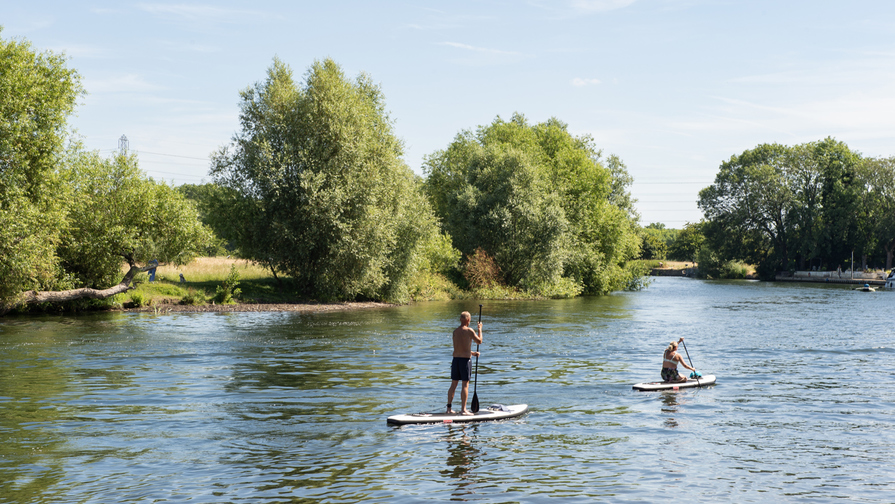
537, 200
785, 207
116, 214
688, 243
877, 178
653, 247
67, 220
37, 93
842, 214
315, 186
748, 206
209, 198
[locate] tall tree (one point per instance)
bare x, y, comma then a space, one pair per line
316, 187
877, 178
840, 196
37, 93
793, 207
537, 199
69, 219
748, 206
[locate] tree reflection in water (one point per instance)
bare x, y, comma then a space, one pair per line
463, 459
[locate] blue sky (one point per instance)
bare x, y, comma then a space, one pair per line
673, 87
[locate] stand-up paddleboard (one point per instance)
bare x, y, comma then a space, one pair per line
690, 383
493, 412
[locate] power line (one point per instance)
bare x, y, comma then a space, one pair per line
172, 155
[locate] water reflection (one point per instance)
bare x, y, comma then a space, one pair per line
670, 404
462, 461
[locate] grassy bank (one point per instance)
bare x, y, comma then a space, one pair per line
205, 275
202, 277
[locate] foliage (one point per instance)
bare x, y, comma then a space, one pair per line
537, 200
208, 199
194, 297
314, 187
229, 288
658, 230
115, 210
877, 177
713, 267
138, 299
638, 276
69, 219
652, 246
688, 242
785, 208
37, 93
480, 270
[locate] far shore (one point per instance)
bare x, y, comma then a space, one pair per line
258, 307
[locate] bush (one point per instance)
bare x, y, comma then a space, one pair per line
711, 267
138, 299
481, 270
229, 288
193, 297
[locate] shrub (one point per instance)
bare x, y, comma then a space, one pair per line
481, 270
138, 299
229, 288
193, 297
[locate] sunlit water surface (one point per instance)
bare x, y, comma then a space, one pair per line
278, 407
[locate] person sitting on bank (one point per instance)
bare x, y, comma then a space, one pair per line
461, 365
670, 360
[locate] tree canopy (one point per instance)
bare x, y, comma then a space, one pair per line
37, 93
68, 218
540, 201
793, 207
315, 186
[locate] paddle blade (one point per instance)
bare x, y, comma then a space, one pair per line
475, 403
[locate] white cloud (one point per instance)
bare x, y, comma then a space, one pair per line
579, 82
200, 13
479, 49
600, 5
127, 83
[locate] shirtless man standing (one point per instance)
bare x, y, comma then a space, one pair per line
461, 366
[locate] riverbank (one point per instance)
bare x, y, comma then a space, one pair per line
257, 307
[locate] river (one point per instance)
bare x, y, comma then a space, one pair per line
287, 407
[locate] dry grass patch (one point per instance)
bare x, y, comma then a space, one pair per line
212, 269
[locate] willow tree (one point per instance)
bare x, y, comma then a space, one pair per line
316, 188
540, 202
37, 93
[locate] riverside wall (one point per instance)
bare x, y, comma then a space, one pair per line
875, 278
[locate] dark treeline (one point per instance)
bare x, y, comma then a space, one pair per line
812, 205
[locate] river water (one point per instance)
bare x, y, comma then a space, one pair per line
285, 407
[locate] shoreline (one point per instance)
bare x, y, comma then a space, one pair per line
259, 307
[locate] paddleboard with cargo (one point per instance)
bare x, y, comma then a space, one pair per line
703, 381
491, 413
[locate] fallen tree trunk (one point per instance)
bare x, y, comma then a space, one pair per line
33, 297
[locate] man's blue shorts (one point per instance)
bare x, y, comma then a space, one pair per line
461, 368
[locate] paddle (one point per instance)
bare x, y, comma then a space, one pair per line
475, 397
695, 374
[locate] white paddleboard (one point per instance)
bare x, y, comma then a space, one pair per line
493, 412
690, 383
